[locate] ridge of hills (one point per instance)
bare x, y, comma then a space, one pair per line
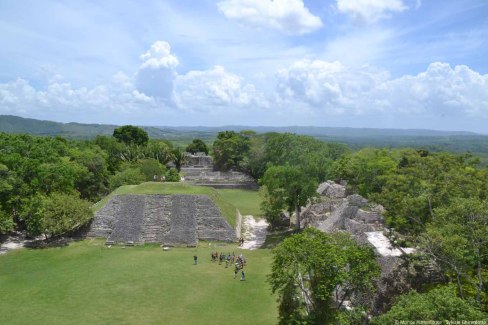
356, 138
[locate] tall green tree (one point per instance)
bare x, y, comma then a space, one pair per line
289, 185
315, 273
131, 135
457, 238
56, 214
159, 150
197, 145
179, 158
229, 149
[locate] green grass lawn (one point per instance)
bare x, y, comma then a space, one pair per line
247, 201
225, 205
88, 283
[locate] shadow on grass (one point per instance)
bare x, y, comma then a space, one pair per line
276, 237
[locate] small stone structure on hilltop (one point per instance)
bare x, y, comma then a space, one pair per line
170, 220
199, 170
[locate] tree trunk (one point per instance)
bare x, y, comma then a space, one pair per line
460, 286
480, 283
297, 212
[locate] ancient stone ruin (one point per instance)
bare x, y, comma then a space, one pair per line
170, 220
364, 221
199, 170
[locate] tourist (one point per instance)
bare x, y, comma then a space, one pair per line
236, 269
195, 259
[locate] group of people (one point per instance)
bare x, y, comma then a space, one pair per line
230, 259
155, 178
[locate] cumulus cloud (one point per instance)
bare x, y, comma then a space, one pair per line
155, 86
332, 88
156, 73
288, 16
62, 99
216, 87
370, 11
441, 90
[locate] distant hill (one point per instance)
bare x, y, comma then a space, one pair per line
15, 124
455, 141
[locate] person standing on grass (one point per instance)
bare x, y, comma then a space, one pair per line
195, 259
236, 269
243, 276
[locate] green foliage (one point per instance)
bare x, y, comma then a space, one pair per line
6, 222
437, 305
159, 150
363, 169
272, 205
197, 145
172, 175
179, 158
313, 156
229, 149
131, 135
150, 167
32, 214
308, 268
129, 176
288, 188
457, 238
64, 212
55, 214
410, 184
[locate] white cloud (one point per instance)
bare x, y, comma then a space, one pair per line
440, 90
159, 56
215, 87
62, 99
289, 16
370, 11
156, 74
332, 88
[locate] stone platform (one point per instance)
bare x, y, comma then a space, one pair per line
171, 220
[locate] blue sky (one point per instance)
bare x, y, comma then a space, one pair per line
357, 63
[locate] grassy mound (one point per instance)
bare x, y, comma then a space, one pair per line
88, 283
226, 200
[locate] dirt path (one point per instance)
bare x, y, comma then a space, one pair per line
13, 242
254, 232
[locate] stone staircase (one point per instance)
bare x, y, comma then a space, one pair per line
157, 215
211, 225
182, 222
130, 221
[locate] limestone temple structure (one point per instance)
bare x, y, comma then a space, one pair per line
199, 170
170, 220
338, 211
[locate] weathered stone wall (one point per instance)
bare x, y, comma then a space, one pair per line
199, 170
166, 219
363, 220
